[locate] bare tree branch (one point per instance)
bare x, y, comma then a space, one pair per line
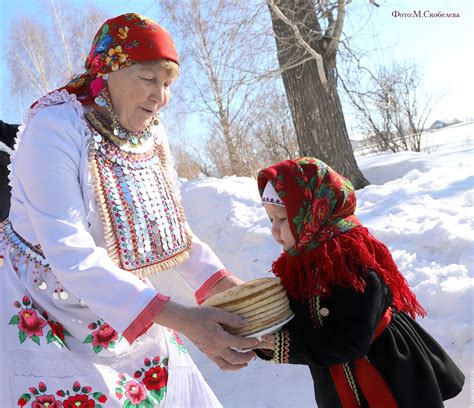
339, 23
317, 57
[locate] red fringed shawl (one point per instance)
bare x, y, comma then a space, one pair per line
332, 247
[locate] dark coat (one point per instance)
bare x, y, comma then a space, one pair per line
339, 330
7, 136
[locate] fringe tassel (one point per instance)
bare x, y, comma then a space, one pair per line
109, 235
344, 261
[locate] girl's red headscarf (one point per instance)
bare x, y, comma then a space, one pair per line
332, 247
120, 42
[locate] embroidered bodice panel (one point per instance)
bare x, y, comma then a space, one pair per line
145, 228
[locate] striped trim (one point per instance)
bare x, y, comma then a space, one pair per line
281, 354
314, 304
351, 381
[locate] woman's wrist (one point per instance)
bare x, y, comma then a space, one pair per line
173, 315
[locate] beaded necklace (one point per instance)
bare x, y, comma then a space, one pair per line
118, 135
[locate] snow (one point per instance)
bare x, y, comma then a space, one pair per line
419, 204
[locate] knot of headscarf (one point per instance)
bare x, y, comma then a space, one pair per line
120, 42
332, 247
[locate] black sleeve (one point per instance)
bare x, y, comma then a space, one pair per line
345, 325
8, 133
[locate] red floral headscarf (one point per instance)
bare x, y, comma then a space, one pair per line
121, 41
332, 247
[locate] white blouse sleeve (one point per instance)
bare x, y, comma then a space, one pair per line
201, 265
47, 170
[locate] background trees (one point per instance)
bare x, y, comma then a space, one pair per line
222, 48
392, 106
307, 36
44, 53
259, 81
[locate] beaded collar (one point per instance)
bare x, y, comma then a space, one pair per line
144, 225
115, 132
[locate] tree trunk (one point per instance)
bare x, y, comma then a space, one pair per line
316, 111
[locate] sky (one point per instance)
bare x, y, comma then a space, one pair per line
419, 205
440, 46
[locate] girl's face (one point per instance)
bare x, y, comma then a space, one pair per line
281, 231
138, 92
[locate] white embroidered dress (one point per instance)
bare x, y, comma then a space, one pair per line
71, 319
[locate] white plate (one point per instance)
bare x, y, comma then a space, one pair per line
270, 330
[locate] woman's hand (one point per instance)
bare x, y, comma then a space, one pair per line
225, 283
204, 327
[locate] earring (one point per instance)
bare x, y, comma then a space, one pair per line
100, 100
156, 119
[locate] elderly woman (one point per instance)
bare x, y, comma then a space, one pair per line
95, 211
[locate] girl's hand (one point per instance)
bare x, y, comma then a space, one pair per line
267, 342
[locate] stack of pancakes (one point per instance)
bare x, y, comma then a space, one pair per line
262, 302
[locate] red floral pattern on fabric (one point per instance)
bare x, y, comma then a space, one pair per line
156, 378
31, 322
46, 401
135, 392
82, 401
332, 248
120, 42
148, 386
77, 396
102, 336
57, 329
176, 340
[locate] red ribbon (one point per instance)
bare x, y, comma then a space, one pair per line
372, 384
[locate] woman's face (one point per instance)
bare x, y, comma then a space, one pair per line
138, 92
281, 231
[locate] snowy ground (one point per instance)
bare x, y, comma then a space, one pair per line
420, 205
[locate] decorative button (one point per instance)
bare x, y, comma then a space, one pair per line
63, 295
43, 286
324, 312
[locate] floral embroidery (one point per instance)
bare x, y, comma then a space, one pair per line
57, 332
326, 200
104, 41
78, 397
77, 82
148, 386
123, 32
176, 340
30, 324
115, 57
103, 336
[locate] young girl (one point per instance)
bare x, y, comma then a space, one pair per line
354, 312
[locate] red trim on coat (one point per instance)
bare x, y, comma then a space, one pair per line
346, 395
203, 292
372, 384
